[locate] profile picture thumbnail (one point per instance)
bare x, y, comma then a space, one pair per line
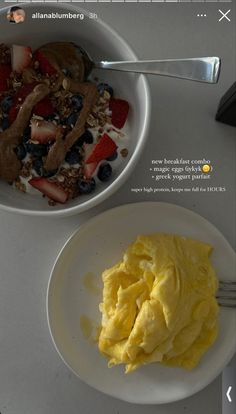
16, 15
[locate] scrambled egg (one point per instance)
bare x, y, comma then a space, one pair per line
159, 303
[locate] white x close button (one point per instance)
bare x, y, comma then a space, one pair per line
224, 15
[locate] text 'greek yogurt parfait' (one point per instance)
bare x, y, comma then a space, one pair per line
59, 132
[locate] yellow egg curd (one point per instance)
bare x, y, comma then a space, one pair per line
159, 303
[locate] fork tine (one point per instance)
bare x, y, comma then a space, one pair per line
227, 289
227, 286
227, 283
226, 305
226, 296
226, 292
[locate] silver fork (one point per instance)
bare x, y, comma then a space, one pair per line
226, 295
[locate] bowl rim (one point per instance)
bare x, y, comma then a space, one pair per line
132, 162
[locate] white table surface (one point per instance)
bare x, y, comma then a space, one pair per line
33, 379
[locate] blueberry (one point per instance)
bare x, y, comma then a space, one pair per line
38, 150
102, 87
26, 134
49, 173
27, 131
6, 104
38, 166
78, 144
72, 118
20, 152
5, 124
87, 137
104, 172
86, 187
73, 157
112, 157
77, 102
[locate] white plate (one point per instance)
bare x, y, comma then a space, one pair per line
99, 244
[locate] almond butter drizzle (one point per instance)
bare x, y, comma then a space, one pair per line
12, 136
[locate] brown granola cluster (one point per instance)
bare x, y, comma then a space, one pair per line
26, 169
20, 186
68, 179
61, 101
124, 152
100, 115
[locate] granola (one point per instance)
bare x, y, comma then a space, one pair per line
60, 130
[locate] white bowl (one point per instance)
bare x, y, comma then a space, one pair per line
102, 43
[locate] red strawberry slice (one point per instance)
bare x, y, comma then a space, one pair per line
89, 170
44, 108
5, 71
88, 149
21, 57
120, 109
50, 189
45, 66
102, 150
43, 131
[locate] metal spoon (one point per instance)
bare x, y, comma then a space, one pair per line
73, 57
203, 69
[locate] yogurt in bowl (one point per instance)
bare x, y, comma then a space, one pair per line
102, 43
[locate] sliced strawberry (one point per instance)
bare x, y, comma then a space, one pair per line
50, 189
5, 71
21, 57
102, 150
89, 169
44, 108
43, 131
45, 66
120, 109
88, 149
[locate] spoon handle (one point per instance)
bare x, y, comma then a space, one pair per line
205, 69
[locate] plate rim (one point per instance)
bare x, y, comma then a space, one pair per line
82, 227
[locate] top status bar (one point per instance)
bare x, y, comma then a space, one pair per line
117, 1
